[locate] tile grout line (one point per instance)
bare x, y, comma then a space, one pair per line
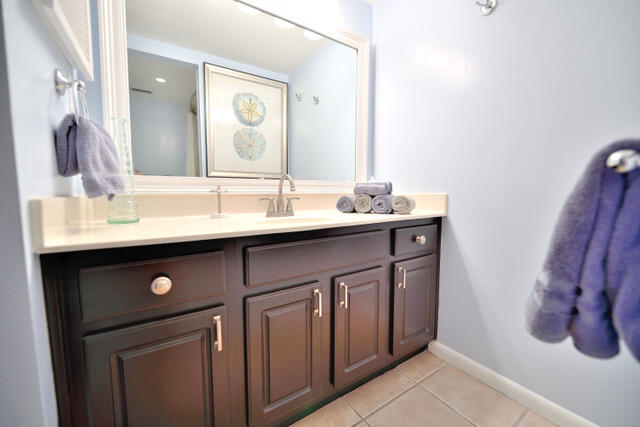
449, 406
387, 403
521, 417
425, 377
353, 409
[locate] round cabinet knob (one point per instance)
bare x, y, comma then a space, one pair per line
420, 239
161, 285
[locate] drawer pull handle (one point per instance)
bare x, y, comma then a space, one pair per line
403, 283
421, 239
345, 302
161, 285
318, 311
217, 320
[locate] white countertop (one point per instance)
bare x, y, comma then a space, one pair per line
65, 237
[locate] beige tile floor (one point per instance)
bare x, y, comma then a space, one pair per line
424, 391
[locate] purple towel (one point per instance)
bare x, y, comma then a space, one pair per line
623, 267
568, 297
87, 148
591, 328
345, 204
382, 204
373, 188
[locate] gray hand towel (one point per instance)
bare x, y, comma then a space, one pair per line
373, 188
362, 203
382, 204
345, 204
403, 204
87, 148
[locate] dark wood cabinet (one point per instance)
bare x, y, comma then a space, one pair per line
254, 330
284, 351
165, 373
359, 310
414, 303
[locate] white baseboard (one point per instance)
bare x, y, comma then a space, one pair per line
553, 412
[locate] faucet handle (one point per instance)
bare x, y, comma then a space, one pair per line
218, 190
271, 208
289, 204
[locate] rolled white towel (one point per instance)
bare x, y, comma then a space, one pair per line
362, 203
403, 204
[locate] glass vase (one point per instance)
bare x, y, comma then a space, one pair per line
123, 208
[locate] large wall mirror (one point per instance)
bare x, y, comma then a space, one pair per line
222, 90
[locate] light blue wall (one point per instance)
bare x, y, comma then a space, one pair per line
159, 129
322, 136
503, 112
27, 394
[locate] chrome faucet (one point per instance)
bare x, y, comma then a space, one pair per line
279, 209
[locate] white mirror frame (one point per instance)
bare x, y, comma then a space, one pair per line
115, 101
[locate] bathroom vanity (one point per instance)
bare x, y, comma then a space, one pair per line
253, 330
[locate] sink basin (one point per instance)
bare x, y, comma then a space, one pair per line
293, 219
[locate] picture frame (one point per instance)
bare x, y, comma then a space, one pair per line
245, 124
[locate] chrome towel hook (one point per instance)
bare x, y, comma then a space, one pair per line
78, 90
487, 6
623, 161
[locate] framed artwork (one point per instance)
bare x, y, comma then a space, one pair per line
246, 124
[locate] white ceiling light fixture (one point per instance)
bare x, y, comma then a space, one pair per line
311, 35
248, 10
281, 23
160, 80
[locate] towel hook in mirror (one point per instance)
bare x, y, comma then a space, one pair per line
487, 6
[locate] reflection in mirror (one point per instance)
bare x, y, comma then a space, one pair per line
239, 126
163, 104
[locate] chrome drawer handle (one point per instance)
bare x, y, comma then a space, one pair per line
421, 239
345, 302
217, 320
403, 283
318, 311
161, 285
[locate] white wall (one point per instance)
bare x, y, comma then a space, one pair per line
503, 113
321, 136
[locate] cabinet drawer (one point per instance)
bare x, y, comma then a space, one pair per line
113, 290
410, 239
279, 262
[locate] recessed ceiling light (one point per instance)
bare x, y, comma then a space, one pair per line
248, 10
311, 35
160, 80
285, 25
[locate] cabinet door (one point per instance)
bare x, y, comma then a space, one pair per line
284, 340
359, 318
165, 373
414, 303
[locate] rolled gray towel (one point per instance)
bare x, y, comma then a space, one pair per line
403, 204
382, 204
345, 204
373, 188
362, 203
